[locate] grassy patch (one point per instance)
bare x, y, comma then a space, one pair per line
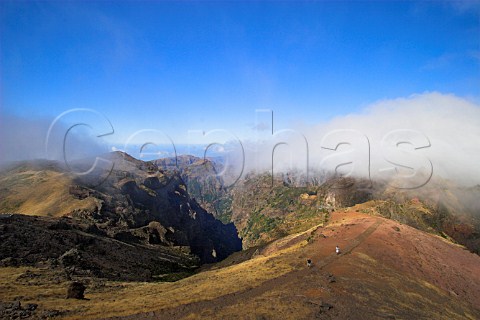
109, 298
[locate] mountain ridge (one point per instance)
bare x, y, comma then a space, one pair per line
137, 203
142, 225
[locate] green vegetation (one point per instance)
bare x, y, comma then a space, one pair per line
258, 224
223, 207
264, 212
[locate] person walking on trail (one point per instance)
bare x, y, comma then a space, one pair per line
337, 249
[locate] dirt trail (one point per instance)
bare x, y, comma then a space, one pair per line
233, 298
349, 248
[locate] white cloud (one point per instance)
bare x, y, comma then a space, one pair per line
25, 139
440, 129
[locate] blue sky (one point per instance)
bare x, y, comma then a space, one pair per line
178, 66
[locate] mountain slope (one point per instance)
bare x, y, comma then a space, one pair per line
143, 224
134, 202
203, 183
263, 211
39, 188
81, 251
385, 270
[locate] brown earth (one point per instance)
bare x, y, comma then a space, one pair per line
385, 270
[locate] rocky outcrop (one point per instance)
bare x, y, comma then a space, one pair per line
140, 202
15, 310
75, 290
172, 218
263, 212
203, 183
138, 223
30, 241
347, 192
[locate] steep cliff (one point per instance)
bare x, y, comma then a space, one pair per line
125, 200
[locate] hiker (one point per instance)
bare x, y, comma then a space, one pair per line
309, 263
337, 249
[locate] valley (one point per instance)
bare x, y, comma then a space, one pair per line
145, 248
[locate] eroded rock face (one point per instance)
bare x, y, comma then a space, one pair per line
28, 241
203, 183
137, 223
172, 218
141, 203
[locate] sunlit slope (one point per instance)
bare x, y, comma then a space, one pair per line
39, 192
385, 270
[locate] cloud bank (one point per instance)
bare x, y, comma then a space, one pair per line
26, 139
406, 139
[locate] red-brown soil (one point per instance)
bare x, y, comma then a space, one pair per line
386, 270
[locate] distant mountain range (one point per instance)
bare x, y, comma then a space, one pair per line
263, 212
174, 219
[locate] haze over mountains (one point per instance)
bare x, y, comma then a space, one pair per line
146, 222
163, 220
240, 160
135, 204
409, 138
